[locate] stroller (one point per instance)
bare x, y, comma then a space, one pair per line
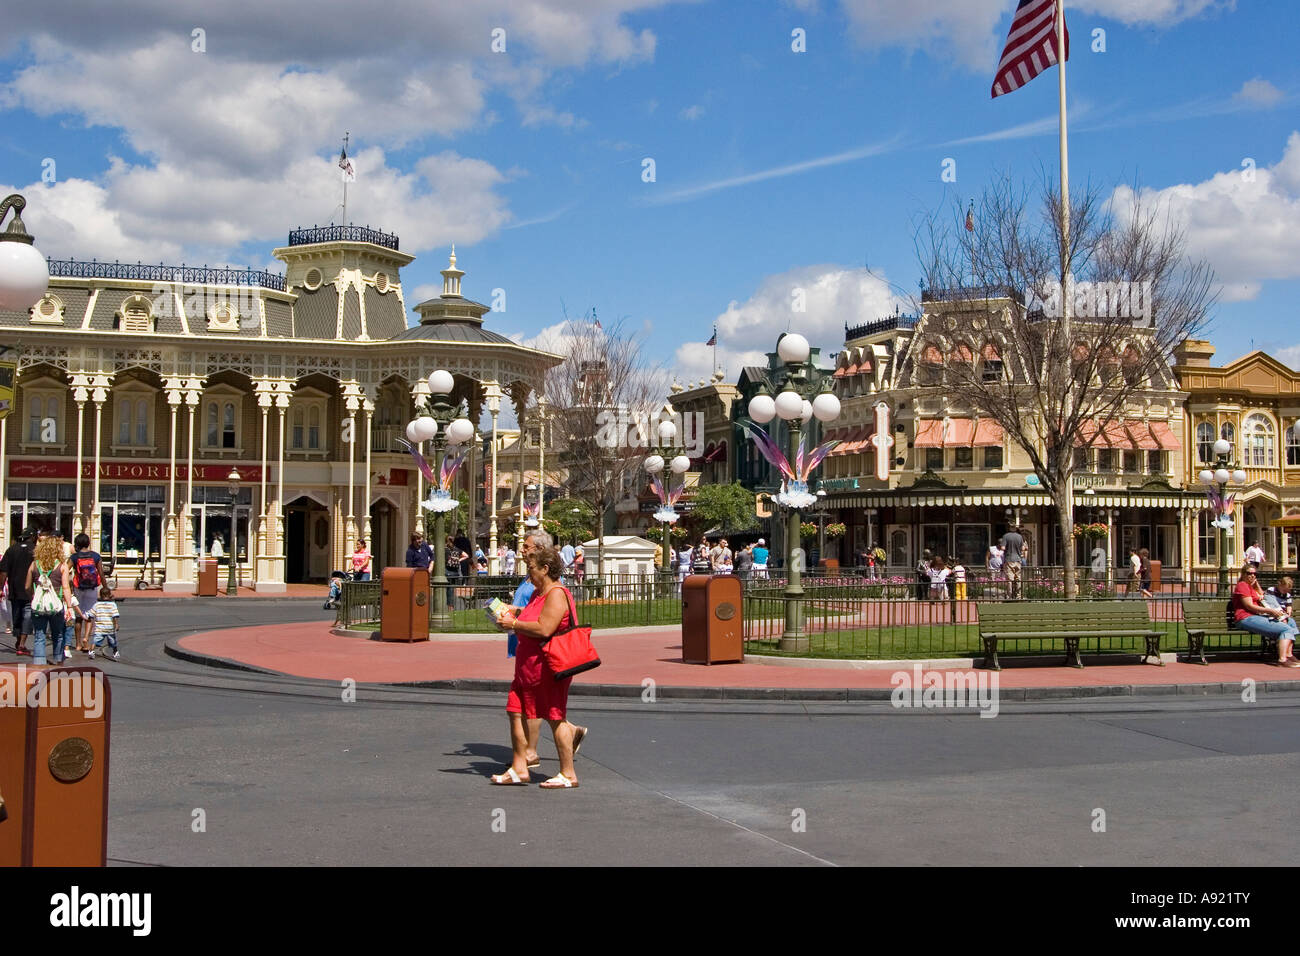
336, 589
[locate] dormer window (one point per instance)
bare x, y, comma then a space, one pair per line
223, 317
135, 315
49, 311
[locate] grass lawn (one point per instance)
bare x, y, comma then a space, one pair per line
951, 640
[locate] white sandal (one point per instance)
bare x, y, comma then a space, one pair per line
559, 782
510, 778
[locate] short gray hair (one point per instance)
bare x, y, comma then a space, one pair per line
540, 538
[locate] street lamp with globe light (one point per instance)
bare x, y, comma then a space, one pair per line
24, 277
232, 557
654, 464
442, 422
798, 400
1226, 474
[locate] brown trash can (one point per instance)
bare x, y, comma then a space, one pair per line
54, 767
713, 620
207, 584
1155, 577
404, 604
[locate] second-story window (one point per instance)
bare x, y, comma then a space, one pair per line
1205, 442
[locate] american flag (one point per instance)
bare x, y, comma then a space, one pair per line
713, 340
1031, 45
345, 164
970, 218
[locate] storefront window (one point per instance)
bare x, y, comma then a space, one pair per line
963, 458
934, 459
1207, 540
993, 457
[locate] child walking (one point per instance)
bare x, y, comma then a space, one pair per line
105, 615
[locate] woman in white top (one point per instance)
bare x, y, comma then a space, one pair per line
938, 572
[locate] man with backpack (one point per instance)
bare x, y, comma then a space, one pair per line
87, 579
13, 571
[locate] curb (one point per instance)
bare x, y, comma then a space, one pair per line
825, 694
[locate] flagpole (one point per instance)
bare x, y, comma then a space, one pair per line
715, 347
345, 181
1065, 175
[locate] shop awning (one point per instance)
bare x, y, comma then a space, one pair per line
1002, 499
1130, 435
988, 433
960, 433
929, 434
1164, 434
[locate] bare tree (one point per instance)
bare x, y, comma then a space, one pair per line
603, 399
1079, 348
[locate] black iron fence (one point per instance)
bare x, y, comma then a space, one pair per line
841, 614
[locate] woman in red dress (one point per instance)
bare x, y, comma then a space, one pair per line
535, 693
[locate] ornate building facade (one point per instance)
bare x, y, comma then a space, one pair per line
141, 388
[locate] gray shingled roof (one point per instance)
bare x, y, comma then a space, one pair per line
279, 319
351, 315
452, 332
385, 317
315, 314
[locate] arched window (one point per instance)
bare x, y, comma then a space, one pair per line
228, 426
1229, 434
298, 434
1205, 442
990, 363
34, 406
1293, 445
1132, 366
931, 365
1108, 366
124, 422
1258, 445
142, 422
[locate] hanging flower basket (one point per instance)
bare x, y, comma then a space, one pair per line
836, 529
1090, 532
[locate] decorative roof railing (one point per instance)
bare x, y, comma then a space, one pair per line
141, 272
302, 237
880, 325
968, 292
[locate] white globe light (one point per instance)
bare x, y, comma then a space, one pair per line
24, 276
762, 409
1222, 447
789, 405
460, 431
1222, 476
654, 464
1206, 476
793, 347
806, 412
826, 407
423, 429
441, 382
679, 464
667, 431
1239, 477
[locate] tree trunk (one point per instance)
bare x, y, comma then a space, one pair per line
1065, 520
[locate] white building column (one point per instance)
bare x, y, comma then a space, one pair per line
99, 395
368, 409
181, 579
352, 402
494, 407
541, 460
264, 389
272, 580
80, 395
175, 388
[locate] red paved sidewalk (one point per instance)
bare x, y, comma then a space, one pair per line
310, 650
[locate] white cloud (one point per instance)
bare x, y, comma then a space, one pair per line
1246, 223
1289, 356
972, 32
777, 172
692, 112
171, 212
239, 140
1259, 93
832, 296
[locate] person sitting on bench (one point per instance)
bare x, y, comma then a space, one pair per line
1250, 613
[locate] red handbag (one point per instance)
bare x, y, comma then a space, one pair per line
571, 652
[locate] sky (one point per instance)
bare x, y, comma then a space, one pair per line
668, 165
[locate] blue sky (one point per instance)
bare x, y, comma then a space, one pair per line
774, 169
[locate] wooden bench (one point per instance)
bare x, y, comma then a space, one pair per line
1070, 621
1209, 619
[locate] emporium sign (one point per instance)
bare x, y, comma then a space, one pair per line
42, 469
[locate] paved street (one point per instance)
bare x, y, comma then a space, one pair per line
286, 772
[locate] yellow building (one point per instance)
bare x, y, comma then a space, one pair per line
1254, 403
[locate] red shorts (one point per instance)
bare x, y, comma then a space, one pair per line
535, 692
